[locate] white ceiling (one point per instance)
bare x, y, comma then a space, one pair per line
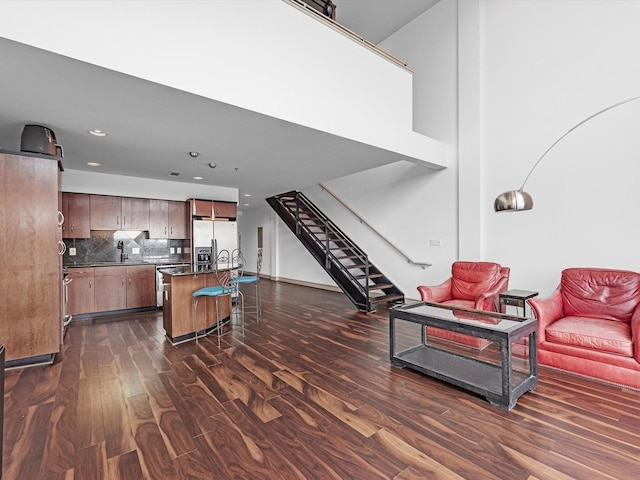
156, 126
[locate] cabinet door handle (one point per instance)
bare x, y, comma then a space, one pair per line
60, 218
89, 283
124, 220
62, 247
165, 230
71, 228
117, 219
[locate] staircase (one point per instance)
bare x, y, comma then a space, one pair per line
341, 258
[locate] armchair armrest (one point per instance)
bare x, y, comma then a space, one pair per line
547, 311
635, 333
489, 300
437, 293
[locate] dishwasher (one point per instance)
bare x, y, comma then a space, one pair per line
159, 280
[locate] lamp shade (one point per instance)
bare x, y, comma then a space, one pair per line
513, 201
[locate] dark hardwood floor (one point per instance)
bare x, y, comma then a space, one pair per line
308, 393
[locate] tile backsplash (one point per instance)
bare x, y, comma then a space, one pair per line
102, 247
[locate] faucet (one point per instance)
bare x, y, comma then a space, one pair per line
123, 256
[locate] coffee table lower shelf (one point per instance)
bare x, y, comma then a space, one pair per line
483, 378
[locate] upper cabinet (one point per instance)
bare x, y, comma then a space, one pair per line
201, 208
75, 208
158, 219
168, 219
178, 214
213, 209
135, 213
224, 210
106, 212
119, 213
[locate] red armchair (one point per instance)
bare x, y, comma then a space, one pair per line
589, 324
471, 285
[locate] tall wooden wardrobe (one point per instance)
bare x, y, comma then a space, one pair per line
31, 251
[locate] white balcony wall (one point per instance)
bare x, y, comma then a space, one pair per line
262, 55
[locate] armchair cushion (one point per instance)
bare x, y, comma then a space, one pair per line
469, 280
600, 293
594, 333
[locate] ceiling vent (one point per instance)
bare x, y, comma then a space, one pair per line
174, 174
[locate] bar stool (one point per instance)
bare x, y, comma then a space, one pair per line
224, 288
241, 278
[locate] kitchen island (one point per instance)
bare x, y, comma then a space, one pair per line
177, 308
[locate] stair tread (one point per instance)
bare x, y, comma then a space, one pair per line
387, 298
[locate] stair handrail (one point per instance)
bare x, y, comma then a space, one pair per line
423, 265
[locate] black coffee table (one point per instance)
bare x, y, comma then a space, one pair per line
495, 372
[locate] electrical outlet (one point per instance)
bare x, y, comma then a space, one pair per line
72, 251
172, 250
434, 242
135, 250
178, 250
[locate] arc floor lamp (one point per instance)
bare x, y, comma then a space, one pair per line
519, 200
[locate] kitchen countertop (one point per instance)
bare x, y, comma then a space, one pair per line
122, 264
188, 270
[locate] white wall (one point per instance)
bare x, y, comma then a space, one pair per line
546, 66
262, 55
528, 72
408, 204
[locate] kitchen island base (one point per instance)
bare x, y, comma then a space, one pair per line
177, 308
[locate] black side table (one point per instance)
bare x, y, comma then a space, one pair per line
517, 298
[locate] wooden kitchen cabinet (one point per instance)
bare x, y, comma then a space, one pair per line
158, 219
31, 273
77, 219
201, 208
81, 291
168, 219
224, 210
135, 213
106, 212
178, 215
105, 289
110, 288
141, 286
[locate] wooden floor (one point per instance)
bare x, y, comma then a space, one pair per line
308, 393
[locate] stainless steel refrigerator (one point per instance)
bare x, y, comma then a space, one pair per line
214, 235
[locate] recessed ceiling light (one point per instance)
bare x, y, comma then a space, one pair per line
197, 178
93, 164
247, 194
247, 204
97, 133
194, 154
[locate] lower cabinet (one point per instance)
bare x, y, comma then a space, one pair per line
141, 286
81, 291
105, 289
111, 288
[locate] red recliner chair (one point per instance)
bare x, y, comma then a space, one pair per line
473, 285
